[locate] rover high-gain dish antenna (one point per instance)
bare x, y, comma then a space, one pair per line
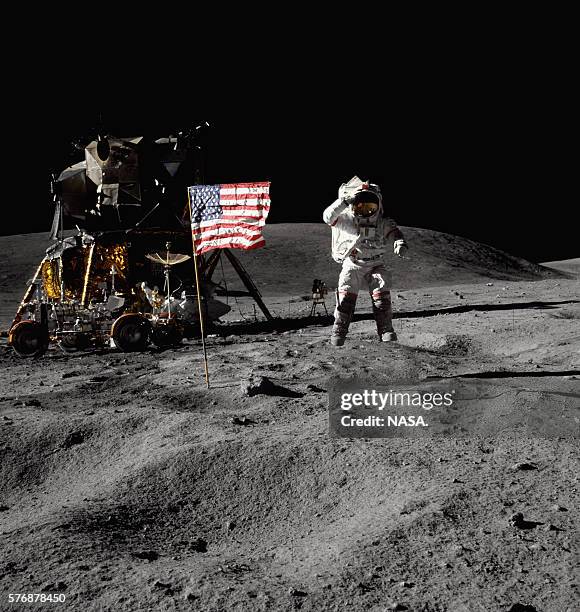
170, 259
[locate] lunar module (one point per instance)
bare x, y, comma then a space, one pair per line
118, 272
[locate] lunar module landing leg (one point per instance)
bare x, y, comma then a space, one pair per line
211, 264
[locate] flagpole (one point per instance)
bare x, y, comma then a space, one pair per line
198, 293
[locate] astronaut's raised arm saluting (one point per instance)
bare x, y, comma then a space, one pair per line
361, 236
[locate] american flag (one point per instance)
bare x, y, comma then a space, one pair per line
229, 216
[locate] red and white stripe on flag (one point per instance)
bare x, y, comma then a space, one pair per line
229, 215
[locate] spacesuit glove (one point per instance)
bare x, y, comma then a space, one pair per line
343, 196
400, 247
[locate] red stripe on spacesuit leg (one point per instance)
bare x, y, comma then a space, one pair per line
377, 292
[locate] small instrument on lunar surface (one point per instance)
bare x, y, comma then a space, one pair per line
319, 292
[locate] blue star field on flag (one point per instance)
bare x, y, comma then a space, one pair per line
205, 203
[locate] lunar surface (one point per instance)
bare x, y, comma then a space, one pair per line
126, 484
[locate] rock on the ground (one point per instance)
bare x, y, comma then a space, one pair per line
524, 466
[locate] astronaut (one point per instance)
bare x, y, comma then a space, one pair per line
360, 237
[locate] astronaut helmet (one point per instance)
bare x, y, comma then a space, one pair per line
366, 203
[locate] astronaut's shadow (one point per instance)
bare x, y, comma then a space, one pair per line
419, 314
537, 305
281, 324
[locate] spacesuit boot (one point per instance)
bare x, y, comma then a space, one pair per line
345, 306
383, 313
388, 337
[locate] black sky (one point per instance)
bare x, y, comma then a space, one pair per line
480, 165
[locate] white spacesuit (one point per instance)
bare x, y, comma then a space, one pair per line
360, 237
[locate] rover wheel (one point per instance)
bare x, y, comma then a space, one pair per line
131, 332
28, 339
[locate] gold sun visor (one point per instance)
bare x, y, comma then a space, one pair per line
365, 209
365, 204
